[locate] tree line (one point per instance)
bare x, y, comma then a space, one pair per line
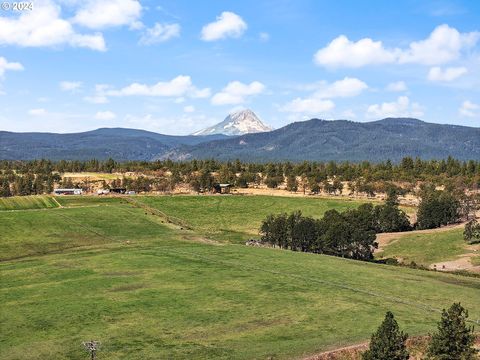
365, 177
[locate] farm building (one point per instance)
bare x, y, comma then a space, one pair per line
68, 191
222, 188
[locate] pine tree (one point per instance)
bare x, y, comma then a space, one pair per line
388, 343
454, 339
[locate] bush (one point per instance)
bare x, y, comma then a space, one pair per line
472, 231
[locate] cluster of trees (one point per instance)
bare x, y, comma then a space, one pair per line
454, 340
349, 234
39, 180
437, 208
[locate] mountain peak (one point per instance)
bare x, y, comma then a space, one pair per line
237, 123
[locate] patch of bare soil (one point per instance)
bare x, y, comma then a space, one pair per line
464, 262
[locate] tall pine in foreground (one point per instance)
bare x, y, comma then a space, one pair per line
388, 343
454, 339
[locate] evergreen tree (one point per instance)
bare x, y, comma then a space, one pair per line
292, 184
454, 339
388, 342
5, 188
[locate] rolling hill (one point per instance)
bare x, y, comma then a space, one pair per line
118, 274
117, 143
341, 140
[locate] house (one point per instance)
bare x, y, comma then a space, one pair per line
68, 191
222, 188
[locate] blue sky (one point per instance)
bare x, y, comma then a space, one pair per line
178, 66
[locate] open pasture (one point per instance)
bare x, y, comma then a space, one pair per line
236, 218
149, 290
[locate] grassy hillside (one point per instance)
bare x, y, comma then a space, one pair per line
236, 218
147, 290
427, 247
39, 232
27, 202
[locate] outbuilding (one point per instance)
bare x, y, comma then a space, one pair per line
68, 191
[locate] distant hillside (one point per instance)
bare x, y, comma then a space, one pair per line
316, 139
309, 140
118, 143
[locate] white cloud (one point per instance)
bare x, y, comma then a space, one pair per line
346, 87
105, 115
443, 45
320, 100
236, 92
399, 108
99, 97
397, 86
189, 109
100, 14
160, 33
11, 66
308, 106
449, 74
342, 52
70, 85
37, 112
179, 124
469, 109
228, 24
45, 27
177, 87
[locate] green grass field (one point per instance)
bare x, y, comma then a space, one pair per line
427, 248
27, 202
236, 218
148, 290
77, 201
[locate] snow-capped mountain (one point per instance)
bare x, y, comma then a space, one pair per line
237, 123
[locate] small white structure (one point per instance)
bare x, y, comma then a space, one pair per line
68, 191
